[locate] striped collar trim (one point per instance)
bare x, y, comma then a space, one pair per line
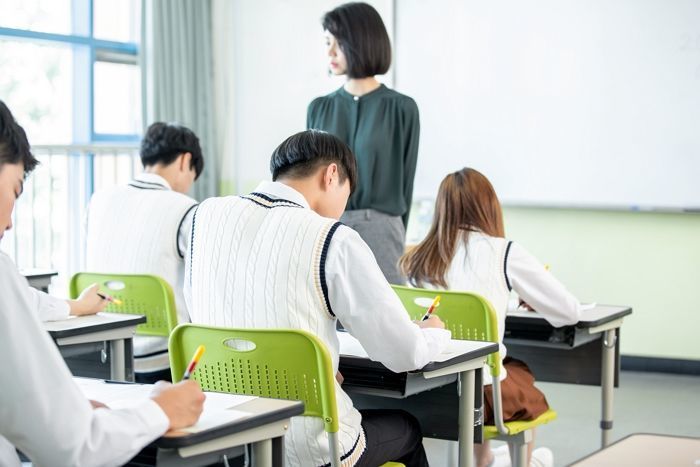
269, 202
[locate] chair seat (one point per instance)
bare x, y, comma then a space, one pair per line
490, 431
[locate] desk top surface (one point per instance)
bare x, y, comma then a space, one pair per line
600, 314
646, 449
461, 351
93, 323
224, 414
32, 273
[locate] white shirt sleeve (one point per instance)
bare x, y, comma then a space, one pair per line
43, 412
540, 289
48, 307
370, 310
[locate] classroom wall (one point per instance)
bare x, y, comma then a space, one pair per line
650, 261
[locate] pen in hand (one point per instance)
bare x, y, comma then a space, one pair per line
116, 301
431, 308
193, 363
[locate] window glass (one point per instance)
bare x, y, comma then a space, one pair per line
52, 16
39, 89
117, 20
117, 98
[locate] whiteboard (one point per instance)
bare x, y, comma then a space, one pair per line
588, 103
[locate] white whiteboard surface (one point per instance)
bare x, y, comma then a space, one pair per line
590, 103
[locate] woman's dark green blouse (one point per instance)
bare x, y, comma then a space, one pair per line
382, 129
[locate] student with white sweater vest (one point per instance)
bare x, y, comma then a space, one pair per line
42, 411
140, 228
465, 249
279, 258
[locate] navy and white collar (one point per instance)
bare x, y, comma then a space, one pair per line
282, 191
150, 181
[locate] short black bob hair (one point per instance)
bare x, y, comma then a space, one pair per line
362, 37
14, 147
164, 142
302, 154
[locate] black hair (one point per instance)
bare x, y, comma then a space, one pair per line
14, 147
164, 142
362, 37
302, 154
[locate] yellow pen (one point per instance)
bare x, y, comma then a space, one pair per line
431, 308
193, 363
116, 301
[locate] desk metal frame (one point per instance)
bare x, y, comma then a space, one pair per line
118, 331
466, 367
601, 323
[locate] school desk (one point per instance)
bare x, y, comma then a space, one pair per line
585, 353
81, 334
642, 449
364, 378
229, 421
39, 278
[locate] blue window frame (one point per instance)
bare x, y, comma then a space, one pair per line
50, 232
90, 52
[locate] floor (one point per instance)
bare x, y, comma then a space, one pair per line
644, 402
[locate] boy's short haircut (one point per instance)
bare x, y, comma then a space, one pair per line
164, 142
362, 37
302, 154
14, 147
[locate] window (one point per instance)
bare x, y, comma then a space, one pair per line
71, 77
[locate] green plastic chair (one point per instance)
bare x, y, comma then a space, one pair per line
470, 316
141, 294
277, 363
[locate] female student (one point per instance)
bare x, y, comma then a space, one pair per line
465, 249
380, 125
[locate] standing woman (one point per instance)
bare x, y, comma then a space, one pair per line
380, 125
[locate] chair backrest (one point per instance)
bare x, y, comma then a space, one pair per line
278, 363
141, 294
467, 315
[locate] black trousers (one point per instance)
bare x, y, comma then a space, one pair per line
392, 435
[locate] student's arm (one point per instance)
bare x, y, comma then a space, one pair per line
50, 308
540, 289
410, 156
363, 301
43, 412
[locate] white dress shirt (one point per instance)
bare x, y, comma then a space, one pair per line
48, 307
495, 267
142, 228
256, 262
42, 411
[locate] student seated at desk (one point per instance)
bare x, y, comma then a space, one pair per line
52, 308
42, 411
140, 228
465, 249
279, 258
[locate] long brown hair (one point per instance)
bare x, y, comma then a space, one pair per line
466, 202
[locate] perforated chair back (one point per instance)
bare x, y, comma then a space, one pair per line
278, 363
467, 315
141, 294
471, 317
